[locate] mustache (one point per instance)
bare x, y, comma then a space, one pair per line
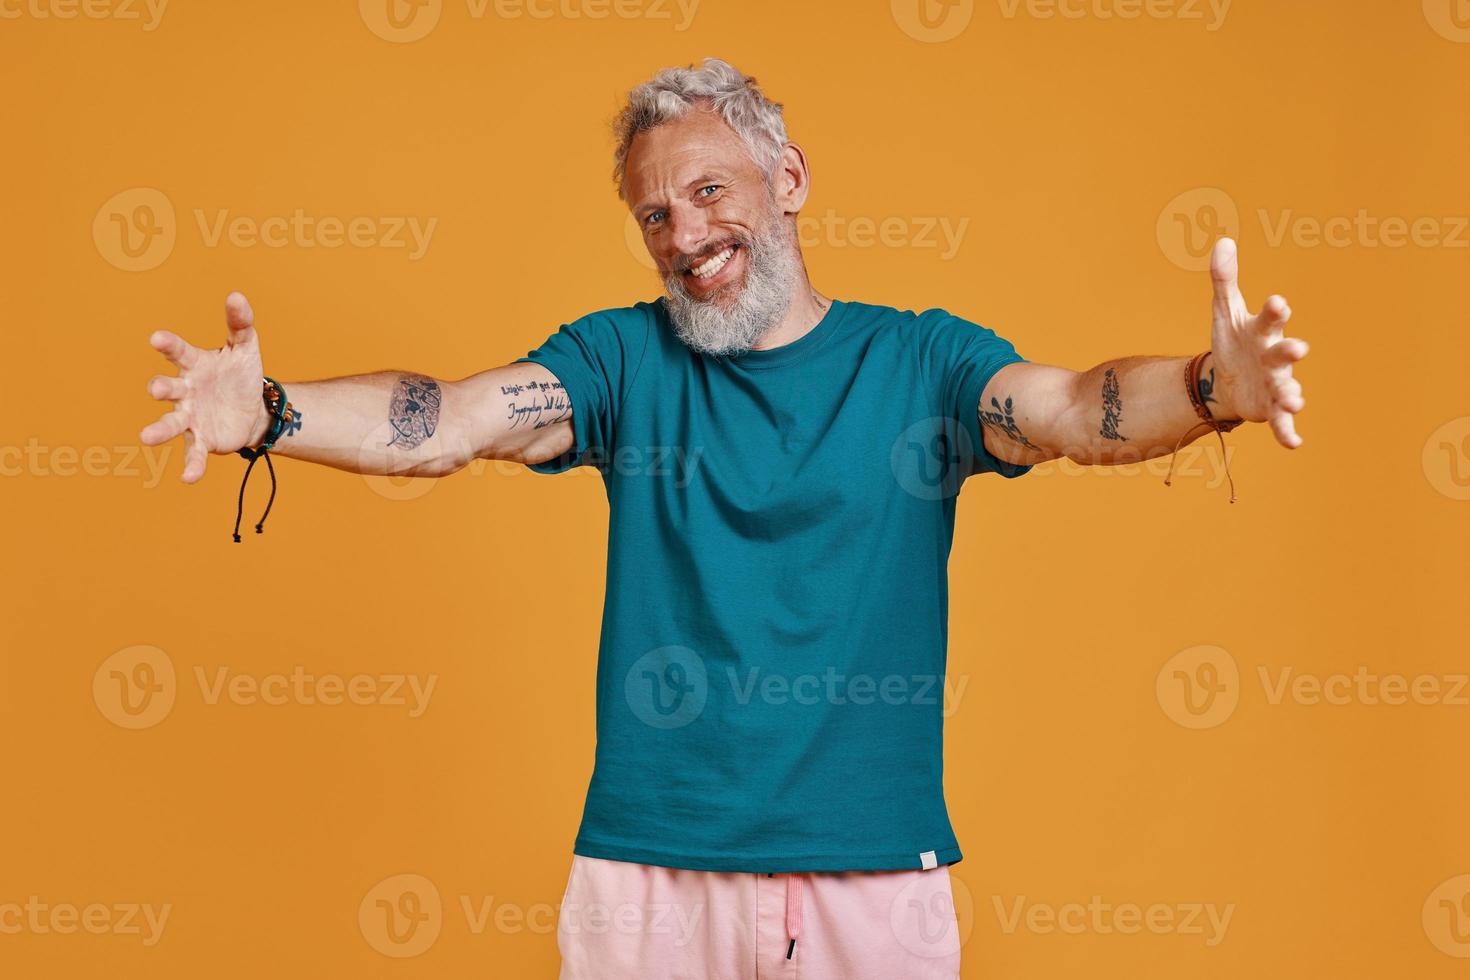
684, 263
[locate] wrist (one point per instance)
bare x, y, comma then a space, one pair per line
260, 426
1217, 390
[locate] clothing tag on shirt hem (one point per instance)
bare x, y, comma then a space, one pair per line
928, 860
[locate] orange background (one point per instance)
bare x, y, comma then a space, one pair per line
1066, 143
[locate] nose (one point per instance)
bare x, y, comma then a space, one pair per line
688, 229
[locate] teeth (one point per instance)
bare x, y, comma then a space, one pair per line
713, 265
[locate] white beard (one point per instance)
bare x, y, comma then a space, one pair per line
772, 270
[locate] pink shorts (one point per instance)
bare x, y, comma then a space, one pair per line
624, 921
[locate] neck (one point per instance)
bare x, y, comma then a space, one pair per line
805, 311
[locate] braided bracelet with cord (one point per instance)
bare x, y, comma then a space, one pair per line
1199, 396
281, 416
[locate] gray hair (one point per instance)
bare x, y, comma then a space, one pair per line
718, 85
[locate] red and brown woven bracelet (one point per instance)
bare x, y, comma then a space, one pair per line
1201, 408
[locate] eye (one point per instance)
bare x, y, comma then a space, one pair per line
706, 190
654, 217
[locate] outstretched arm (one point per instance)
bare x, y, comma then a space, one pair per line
1138, 408
391, 422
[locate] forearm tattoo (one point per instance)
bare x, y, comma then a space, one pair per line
546, 405
1003, 420
414, 410
1112, 407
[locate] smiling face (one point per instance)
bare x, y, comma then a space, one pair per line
719, 231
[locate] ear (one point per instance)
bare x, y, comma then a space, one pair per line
792, 179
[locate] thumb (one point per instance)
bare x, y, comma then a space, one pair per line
240, 319
1224, 272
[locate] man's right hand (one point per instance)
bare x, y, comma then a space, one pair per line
217, 403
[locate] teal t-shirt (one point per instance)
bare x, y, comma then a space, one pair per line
770, 682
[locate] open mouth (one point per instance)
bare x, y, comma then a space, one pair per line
715, 270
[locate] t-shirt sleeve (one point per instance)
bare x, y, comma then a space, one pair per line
959, 358
596, 360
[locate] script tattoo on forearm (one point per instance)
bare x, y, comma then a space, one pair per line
414, 410
546, 405
1112, 407
1003, 420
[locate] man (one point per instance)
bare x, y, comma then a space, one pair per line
751, 771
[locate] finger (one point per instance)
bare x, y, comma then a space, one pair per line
1289, 395
165, 428
1273, 315
1286, 351
240, 319
1224, 275
1285, 430
166, 388
175, 348
195, 457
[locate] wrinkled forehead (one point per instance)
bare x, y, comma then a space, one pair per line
677, 153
